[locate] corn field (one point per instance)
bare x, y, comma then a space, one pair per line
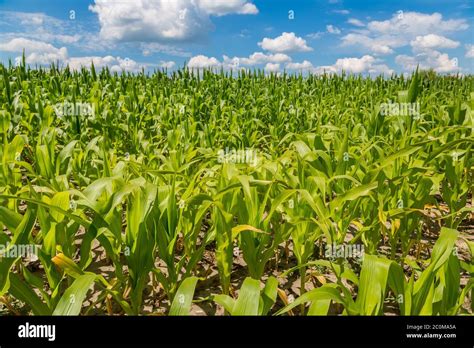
206, 193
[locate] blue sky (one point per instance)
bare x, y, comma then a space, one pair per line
368, 37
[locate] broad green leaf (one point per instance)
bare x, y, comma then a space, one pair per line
72, 299
183, 299
249, 296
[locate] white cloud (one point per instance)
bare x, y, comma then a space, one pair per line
428, 59
356, 22
469, 51
314, 36
416, 23
305, 65
162, 20
202, 62
46, 58
67, 39
235, 63
332, 29
285, 43
38, 26
34, 19
167, 64
115, 64
356, 65
20, 44
30, 19
374, 45
408, 63
41, 27
433, 41
272, 67
359, 65
382, 37
223, 7
150, 48
150, 20
36, 52
232, 63
51, 36
366, 64
261, 58
425, 56
42, 53
342, 12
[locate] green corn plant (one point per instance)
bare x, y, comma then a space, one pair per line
320, 299
140, 240
257, 245
222, 227
10, 165
21, 227
436, 290
457, 183
135, 187
71, 301
251, 300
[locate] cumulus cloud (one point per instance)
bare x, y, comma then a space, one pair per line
36, 52
380, 46
363, 65
224, 7
162, 20
403, 28
167, 64
285, 43
235, 63
433, 41
272, 67
274, 62
42, 53
150, 20
115, 64
366, 64
416, 23
428, 59
332, 29
258, 58
305, 65
149, 48
203, 62
20, 44
356, 22
469, 51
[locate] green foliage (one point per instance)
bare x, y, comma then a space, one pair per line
141, 187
